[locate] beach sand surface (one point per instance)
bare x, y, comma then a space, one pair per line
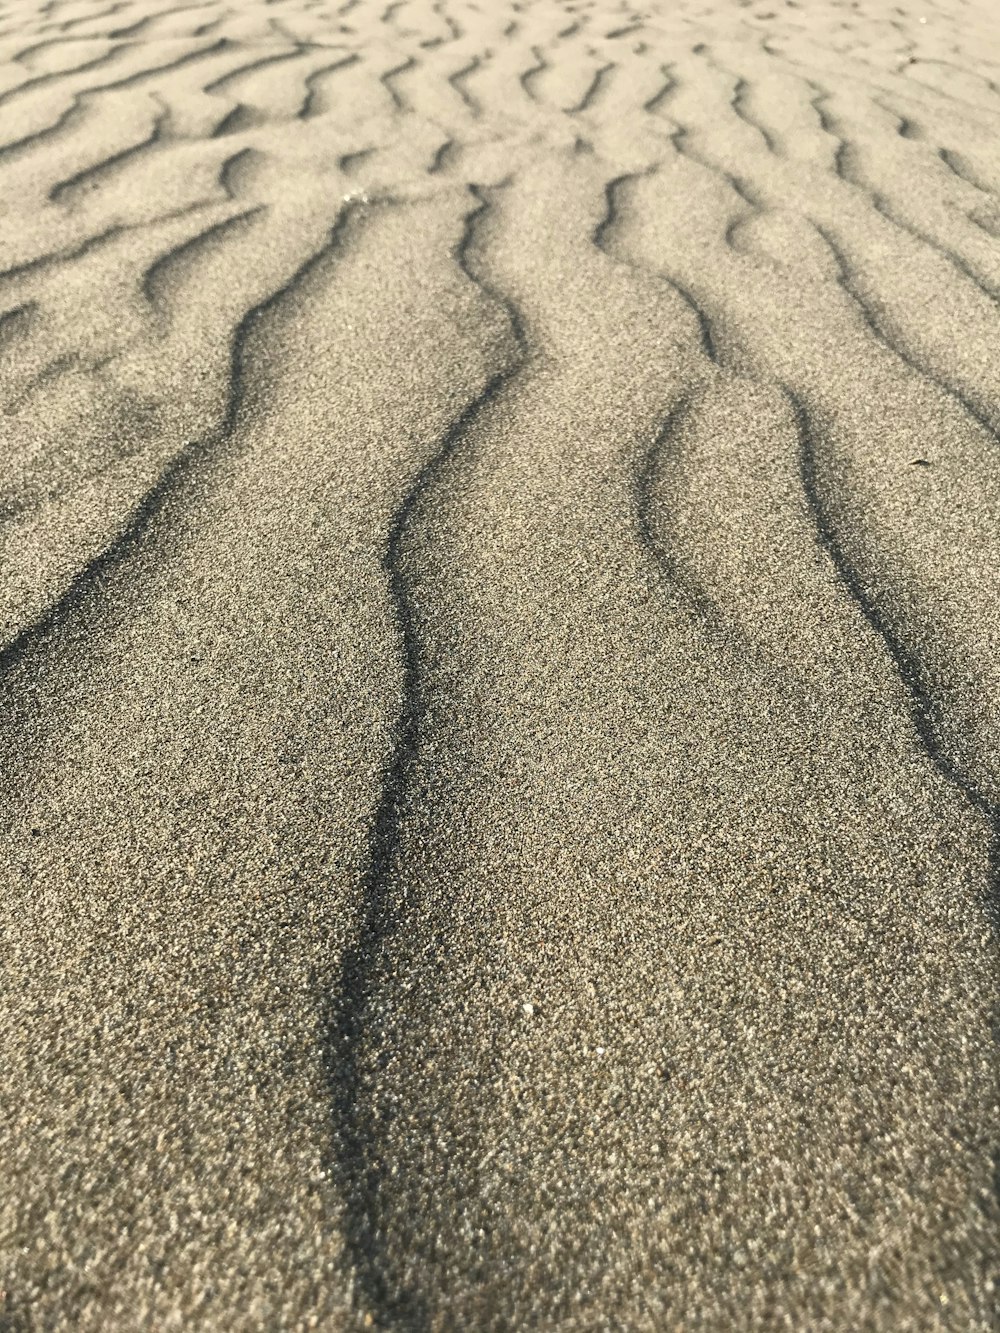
500, 665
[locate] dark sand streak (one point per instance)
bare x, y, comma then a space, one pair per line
924, 712
94, 579
381, 917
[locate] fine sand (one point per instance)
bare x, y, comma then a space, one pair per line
500, 677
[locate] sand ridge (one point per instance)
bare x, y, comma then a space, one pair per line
500, 665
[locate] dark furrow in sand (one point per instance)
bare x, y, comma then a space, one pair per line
651, 462
312, 103
911, 68
924, 711
739, 103
959, 166
928, 96
22, 57
76, 112
159, 277
527, 77
889, 338
251, 67
846, 165
457, 81
612, 190
237, 120
95, 18
389, 13
439, 161
455, 32
89, 176
16, 323
926, 716
348, 161
885, 209
593, 90
646, 504
905, 127
618, 34
132, 30
984, 414
741, 186
652, 104
389, 78
91, 243
99, 570
284, 32
235, 169
42, 80
382, 918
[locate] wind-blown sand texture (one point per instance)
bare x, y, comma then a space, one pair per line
501, 668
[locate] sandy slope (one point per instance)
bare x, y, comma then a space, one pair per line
501, 665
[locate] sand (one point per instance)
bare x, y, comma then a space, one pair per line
501, 665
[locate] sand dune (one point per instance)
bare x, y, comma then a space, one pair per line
501, 665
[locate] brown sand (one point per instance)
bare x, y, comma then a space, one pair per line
501, 672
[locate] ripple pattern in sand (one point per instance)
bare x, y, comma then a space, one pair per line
500, 667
